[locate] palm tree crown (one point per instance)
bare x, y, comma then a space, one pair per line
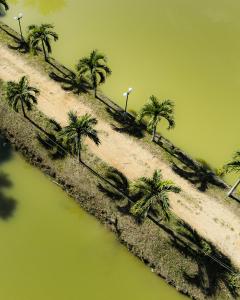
41, 35
234, 165
78, 128
157, 110
95, 67
21, 94
4, 4
154, 191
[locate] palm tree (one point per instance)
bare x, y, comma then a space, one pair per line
154, 192
157, 110
78, 128
234, 165
95, 68
4, 4
21, 94
40, 36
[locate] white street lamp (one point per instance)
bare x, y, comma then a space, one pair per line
19, 18
126, 94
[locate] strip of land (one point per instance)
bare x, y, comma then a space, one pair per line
214, 220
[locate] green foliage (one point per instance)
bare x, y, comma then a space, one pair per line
234, 165
154, 195
4, 4
156, 110
78, 128
40, 37
95, 68
21, 94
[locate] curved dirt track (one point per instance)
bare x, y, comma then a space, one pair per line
214, 221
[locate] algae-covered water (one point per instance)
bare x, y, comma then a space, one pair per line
53, 250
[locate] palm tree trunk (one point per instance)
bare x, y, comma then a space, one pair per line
79, 149
44, 51
154, 133
23, 109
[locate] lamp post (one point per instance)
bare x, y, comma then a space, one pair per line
19, 18
126, 94
230, 193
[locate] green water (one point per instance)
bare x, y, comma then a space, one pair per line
188, 51
52, 250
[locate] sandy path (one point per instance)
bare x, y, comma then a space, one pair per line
212, 220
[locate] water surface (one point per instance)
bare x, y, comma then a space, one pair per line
53, 250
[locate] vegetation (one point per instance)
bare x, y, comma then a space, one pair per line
234, 165
154, 194
157, 110
4, 4
95, 68
78, 128
213, 271
40, 37
21, 94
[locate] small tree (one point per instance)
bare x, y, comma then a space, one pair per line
157, 110
40, 36
78, 128
21, 94
95, 67
154, 192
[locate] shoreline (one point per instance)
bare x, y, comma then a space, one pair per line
106, 213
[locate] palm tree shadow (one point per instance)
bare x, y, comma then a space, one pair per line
127, 123
70, 82
52, 142
201, 176
5, 150
210, 275
7, 204
117, 188
20, 45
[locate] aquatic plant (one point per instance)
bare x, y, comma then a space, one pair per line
157, 110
